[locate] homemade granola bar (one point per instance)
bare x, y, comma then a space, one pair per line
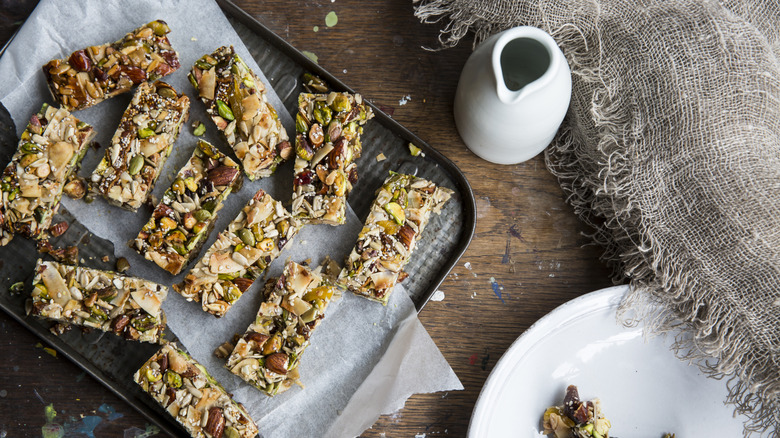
142, 142
127, 306
327, 144
185, 216
239, 255
49, 153
89, 76
236, 100
185, 389
268, 354
402, 208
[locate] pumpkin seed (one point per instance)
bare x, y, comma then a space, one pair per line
136, 163
247, 237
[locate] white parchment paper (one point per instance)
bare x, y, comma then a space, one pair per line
365, 359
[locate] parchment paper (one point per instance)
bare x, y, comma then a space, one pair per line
355, 335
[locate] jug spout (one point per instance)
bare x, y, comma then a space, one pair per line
523, 61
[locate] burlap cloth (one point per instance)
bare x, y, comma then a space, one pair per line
671, 152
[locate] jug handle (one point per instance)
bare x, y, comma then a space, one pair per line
507, 96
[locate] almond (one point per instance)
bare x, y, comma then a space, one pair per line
338, 154
120, 323
137, 75
406, 236
222, 175
80, 61
216, 422
277, 363
162, 210
242, 283
258, 338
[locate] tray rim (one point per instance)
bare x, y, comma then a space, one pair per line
168, 425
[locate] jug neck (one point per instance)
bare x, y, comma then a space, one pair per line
541, 51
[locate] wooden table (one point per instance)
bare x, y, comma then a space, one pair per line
528, 239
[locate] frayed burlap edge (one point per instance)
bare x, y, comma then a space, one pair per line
459, 21
663, 298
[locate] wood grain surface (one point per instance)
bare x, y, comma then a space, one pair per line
527, 256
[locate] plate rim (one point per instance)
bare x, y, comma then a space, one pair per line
602, 298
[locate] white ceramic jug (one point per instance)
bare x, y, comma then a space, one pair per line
512, 95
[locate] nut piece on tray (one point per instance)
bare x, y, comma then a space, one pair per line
187, 391
142, 142
185, 216
49, 153
268, 354
127, 306
402, 208
239, 255
89, 76
327, 144
235, 99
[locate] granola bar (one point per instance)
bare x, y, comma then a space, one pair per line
239, 255
127, 306
186, 390
185, 216
236, 100
268, 354
402, 208
49, 153
327, 144
148, 128
89, 76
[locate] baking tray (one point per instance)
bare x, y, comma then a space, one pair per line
446, 238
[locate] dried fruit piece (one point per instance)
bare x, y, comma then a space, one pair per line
236, 100
107, 301
330, 126
402, 208
31, 186
268, 354
239, 255
187, 211
195, 399
91, 75
141, 145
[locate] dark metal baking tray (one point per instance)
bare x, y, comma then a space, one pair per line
444, 242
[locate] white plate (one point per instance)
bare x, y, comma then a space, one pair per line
644, 390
